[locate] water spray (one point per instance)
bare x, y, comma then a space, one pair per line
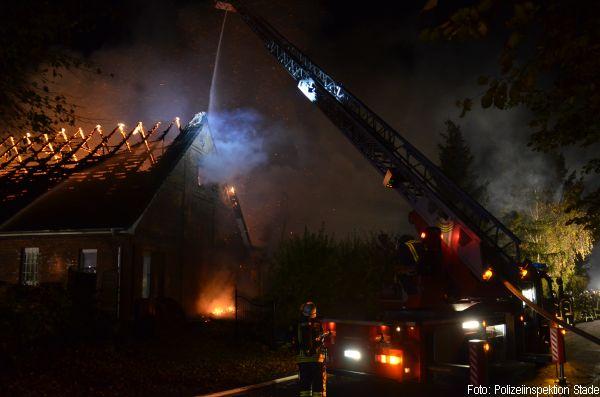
211, 98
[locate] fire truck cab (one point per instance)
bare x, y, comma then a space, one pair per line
424, 331
465, 282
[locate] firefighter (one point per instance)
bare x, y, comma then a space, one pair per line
407, 252
311, 357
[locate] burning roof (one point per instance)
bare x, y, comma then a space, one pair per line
87, 170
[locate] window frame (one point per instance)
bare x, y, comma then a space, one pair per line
82, 258
30, 263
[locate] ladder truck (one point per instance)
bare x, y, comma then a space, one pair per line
469, 281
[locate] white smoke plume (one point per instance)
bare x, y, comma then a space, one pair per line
240, 148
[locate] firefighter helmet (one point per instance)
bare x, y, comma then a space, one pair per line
309, 309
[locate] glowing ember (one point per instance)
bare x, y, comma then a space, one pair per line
218, 311
138, 129
217, 299
222, 312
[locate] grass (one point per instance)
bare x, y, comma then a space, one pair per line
196, 359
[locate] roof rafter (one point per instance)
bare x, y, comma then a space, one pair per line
32, 163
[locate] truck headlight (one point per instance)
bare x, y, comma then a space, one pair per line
470, 324
353, 354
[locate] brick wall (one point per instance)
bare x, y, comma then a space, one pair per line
57, 253
188, 228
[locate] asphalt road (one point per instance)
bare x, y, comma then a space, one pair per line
583, 360
358, 387
582, 368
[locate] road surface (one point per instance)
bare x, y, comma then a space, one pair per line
583, 360
583, 368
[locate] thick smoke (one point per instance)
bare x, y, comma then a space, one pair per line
512, 171
291, 166
240, 147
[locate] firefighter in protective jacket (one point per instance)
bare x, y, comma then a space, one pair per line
311, 358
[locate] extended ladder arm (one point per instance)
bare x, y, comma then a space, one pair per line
432, 194
435, 197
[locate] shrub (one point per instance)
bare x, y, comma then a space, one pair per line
344, 278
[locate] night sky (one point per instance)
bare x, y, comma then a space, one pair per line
295, 169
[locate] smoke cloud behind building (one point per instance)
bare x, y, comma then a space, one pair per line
291, 167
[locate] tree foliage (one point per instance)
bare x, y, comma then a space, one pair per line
548, 63
342, 277
457, 162
37, 44
550, 235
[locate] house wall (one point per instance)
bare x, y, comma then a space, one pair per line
58, 253
191, 225
188, 234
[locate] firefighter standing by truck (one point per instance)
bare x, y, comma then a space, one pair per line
311, 357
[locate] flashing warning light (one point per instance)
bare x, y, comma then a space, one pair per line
386, 359
486, 347
523, 272
423, 234
487, 275
521, 317
389, 180
395, 360
563, 331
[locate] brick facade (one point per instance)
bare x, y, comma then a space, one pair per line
180, 233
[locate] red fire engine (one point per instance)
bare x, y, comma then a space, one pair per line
465, 279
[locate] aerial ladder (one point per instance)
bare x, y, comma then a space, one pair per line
239, 216
482, 243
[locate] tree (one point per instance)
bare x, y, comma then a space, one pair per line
550, 236
457, 162
548, 64
37, 44
344, 278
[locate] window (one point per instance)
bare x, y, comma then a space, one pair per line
87, 260
146, 276
29, 266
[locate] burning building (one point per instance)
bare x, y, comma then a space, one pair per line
125, 214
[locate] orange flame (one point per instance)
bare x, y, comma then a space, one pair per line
220, 311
